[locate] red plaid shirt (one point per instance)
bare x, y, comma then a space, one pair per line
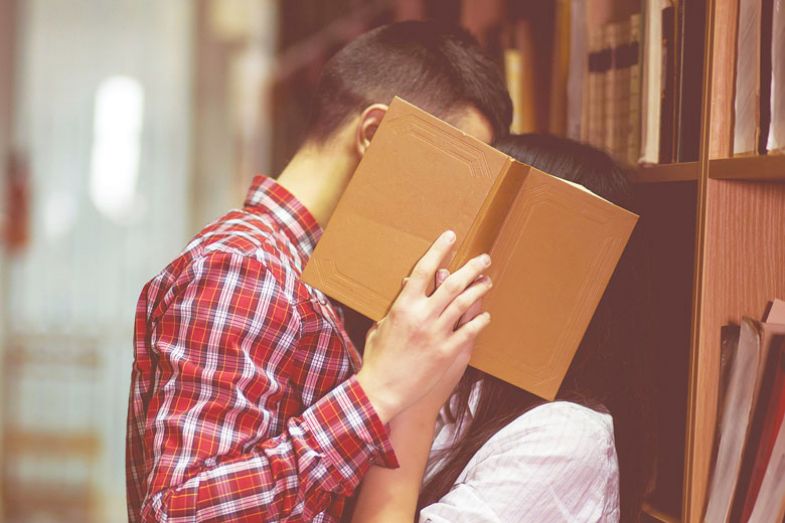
243, 406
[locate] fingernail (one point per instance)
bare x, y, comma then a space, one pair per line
449, 236
485, 260
441, 275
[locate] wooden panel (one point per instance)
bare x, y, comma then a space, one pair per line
743, 269
763, 168
694, 473
669, 172
654, 515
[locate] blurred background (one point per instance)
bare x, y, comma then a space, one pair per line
125, 126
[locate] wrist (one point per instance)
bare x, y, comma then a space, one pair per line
416, 418
385, 406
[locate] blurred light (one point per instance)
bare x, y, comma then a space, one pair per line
117, 130
59, 214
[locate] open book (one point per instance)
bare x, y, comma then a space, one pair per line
554, 244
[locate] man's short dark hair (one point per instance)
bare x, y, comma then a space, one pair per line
440, 69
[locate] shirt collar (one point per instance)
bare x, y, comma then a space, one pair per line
268, 196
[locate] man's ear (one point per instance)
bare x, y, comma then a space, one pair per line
370, 119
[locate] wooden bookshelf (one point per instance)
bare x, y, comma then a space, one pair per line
739, 250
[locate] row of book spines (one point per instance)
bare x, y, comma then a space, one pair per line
612, 105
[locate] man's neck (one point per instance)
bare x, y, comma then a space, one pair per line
317, 177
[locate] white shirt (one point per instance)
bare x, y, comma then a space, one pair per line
556, 462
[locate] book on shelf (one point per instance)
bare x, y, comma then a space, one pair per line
691, 23
633, 122
518, 70
622, 64
729, 342
599, 64
766, 451
612, 95
577, 98
642, 104
554, 244
749, 423
612, 41
560, 64
764, 98
776, 134
652, 78
746, 122
668, 129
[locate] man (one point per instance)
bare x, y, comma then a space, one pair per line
244, 401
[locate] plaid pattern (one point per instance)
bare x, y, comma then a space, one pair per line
243, 406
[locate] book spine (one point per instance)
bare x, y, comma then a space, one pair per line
513, 72
667, 113
634, 122
622, 106
767, 12
746, 104
485, 228
651, 81
599, 60
611, 42
577, 97
776, 141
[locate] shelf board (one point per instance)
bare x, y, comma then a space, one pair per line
753, 168
659, 515
667, 172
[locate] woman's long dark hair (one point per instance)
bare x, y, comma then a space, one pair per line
608, 369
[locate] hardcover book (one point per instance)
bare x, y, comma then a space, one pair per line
554, 244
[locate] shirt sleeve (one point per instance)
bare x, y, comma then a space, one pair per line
222, 347
555, 463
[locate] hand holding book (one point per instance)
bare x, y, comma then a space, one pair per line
555, 244
410, 350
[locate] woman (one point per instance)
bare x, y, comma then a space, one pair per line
502, 454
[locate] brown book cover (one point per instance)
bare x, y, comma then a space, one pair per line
554, 244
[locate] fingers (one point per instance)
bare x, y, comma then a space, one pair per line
441, 275
466, 335
467, 304
475, 309
457, 282
423, 273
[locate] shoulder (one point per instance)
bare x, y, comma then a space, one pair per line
556, 462
241, 248
581, 437
243, 234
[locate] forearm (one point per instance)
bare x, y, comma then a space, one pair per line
390, 495
296, 473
